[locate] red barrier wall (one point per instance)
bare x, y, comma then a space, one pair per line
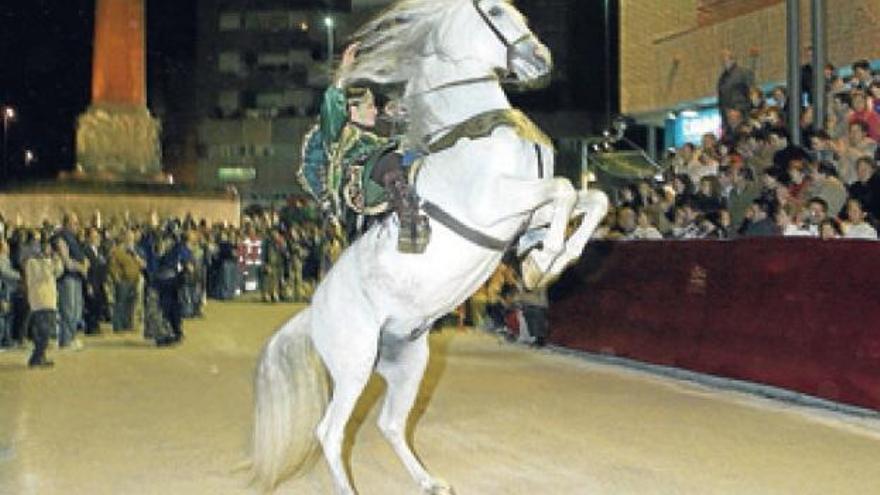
801, 314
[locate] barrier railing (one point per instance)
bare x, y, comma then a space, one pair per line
801, 314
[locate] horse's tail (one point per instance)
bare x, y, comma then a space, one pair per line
290, 395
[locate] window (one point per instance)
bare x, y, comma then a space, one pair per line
229, 63
230, 21
270, 20
273, 62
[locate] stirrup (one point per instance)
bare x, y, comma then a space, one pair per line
413, 235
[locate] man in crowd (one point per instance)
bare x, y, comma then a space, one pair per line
70, 304
173, 259
827, 186
859, 145
866, 188
857, 226
733, 88
817, 212
96, 278
761, 222
42, 268
862, 77
126, 267
743, 192
9, 285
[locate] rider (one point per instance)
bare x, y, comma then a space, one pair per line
347, 126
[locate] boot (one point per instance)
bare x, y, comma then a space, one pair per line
414, 232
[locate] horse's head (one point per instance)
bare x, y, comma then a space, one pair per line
497, 33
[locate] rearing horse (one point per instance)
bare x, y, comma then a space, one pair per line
489, 177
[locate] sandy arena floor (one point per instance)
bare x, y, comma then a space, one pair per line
122, 417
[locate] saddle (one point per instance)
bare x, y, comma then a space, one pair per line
360, 192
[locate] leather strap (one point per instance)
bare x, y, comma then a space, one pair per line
540, 161
474, 236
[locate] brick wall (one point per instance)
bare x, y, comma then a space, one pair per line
32, 207
667, 56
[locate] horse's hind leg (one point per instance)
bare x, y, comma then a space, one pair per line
402, 363
350, 370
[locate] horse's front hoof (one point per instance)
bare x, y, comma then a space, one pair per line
439, 487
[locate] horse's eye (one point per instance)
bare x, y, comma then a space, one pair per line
496, 11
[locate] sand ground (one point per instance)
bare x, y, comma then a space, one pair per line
123, 417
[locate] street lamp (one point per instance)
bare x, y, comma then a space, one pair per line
329, 23
8, 116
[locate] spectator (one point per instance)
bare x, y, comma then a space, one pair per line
856, 225
275, 258
866, 187
743, 192
708, 197
757, 101
830, 229
95, 283
684, 224
644, 228
173, 260
840, 108
781, 102
799, 183
733, 87
76, 266
705, 166
874, 94
9, 284
827, 187
194, 279
859, 145
685, 156
125, 272
760, 222
863, 111
817, 212
862, 77
683, 188
42, 268
534, 312
626, 222
788, 222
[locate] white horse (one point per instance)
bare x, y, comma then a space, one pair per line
373, 309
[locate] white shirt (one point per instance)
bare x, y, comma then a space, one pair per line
792, 230
860, 231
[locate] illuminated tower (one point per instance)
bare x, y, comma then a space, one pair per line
116, 137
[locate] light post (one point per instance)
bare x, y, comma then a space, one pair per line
329, 23
8, 116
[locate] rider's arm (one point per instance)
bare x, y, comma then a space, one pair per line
333, 115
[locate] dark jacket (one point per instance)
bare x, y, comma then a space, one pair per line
733, 88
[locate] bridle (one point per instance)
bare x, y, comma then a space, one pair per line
501, 37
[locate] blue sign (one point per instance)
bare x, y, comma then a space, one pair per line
690, 126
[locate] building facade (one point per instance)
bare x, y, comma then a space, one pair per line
670, 51
261, 69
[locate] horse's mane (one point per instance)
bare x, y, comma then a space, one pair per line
393, 41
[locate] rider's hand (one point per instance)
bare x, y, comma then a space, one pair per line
349, 55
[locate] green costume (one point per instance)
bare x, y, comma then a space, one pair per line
350, 150
352, 169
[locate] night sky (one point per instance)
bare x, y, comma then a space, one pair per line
46, 47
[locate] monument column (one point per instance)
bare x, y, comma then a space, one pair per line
117, 138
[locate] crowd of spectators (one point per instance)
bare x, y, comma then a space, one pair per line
58, 282
753, 181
